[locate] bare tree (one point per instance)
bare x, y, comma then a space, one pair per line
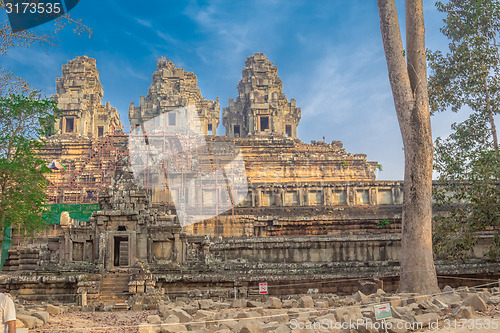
9, 82
408, 79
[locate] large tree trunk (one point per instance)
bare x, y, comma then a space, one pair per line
409, 89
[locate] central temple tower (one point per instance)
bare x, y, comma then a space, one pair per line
261, 107
174, 88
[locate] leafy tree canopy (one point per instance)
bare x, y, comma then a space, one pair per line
468, 160
24, 120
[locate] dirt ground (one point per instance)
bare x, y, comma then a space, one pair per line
122, 321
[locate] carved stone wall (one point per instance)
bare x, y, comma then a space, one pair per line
261, 107
79, 96
173, 88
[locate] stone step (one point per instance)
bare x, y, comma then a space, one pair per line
104, 280
114, 290
114, 293
121, 307
109, 299
125, 278
115, 286
110, 284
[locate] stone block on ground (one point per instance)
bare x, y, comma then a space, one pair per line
366, 328
369, 313
273, 303
281, 318
306, 302
370, 287
196, 327
428, 307
494, 300
204, 315
183, 316
248, 327
269, 327
20, 324
282, 329
426, 319
463, 312
221, 305
393, 300
42, 315
347, 314
255, 304
30, 321
327, 320
396, 325
230, 324
404, 313
205, 304
191, 310
148, 328
52, 309
485, 295
449, 298
172, 319
239, 303
290, 303
248, 314
153, 319
476, 302
321, 304
416, 299
359, 297
173, 328
447, 289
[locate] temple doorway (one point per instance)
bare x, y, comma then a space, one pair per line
120, 252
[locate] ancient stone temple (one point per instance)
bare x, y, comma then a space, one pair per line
125, 230
310, 213
88, 136
261, 107
79, 96
171, 89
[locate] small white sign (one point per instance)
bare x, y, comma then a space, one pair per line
383, 311
263, 288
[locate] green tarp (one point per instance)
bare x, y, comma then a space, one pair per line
80, 212
7, 239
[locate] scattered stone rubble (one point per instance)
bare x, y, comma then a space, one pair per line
329, 312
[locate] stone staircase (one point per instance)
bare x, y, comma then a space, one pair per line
114, 290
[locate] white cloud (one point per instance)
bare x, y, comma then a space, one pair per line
146, 23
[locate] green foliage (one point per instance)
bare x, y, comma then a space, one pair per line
467, 161
469, 188
469, 72
23, 121
383, 223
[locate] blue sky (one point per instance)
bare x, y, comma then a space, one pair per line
329, 54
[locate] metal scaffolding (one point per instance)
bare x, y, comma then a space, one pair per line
83, 178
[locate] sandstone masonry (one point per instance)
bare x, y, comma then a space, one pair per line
261, 107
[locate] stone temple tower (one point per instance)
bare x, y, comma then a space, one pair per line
173, 88
261, 107
79, 96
